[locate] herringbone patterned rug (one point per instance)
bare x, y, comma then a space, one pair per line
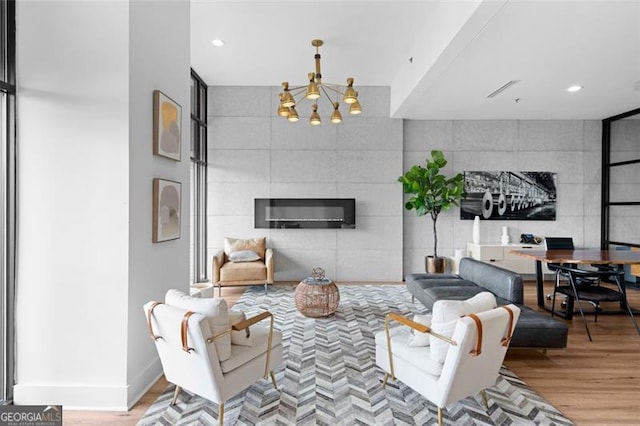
330, 376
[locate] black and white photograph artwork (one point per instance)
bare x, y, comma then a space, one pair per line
509, 195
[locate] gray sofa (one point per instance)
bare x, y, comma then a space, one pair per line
533, 330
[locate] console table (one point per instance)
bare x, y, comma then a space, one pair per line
501, 255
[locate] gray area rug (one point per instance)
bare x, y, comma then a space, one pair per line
329, 375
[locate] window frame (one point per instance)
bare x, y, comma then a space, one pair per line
607, 165
199, 164
8, 199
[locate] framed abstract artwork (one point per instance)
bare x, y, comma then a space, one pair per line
506, 195
167, 122
167, 196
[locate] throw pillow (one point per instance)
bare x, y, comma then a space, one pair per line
214, 309
446, 314
240, 337
259, 245
244, 256
415, 337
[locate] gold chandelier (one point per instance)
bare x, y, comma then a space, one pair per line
313, 91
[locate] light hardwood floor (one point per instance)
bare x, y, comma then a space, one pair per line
593, 383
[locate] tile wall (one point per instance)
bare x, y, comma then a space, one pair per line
254, 154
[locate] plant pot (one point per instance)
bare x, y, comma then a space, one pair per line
434, 265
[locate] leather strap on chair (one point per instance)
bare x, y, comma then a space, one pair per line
507, 339
183, 332
478, 350
149, 313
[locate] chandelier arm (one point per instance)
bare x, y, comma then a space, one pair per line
333, 87
297, 88
327, 95
300, 98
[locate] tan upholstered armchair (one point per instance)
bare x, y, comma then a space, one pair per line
243, 262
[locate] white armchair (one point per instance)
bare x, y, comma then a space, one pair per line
476, 351
195, 343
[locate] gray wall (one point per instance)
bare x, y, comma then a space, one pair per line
254, 154
572, 149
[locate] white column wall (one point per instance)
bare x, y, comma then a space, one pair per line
73, 196
159, 59
255, 154
570, 148
86, 72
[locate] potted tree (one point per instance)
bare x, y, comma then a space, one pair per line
432, 193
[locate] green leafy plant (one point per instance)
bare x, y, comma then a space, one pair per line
431, 191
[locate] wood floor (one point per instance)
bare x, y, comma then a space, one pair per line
593, 383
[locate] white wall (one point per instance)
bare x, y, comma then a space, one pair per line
159, 59
85, 166
572, 149
72, 201
255, 154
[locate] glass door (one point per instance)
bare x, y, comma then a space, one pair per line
621, 186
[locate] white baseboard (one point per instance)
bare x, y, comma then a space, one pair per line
141, 383
88, 397
80, 397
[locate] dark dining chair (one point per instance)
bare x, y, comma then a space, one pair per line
566, 243
594, 294
559, 243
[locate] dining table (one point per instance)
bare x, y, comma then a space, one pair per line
619, 258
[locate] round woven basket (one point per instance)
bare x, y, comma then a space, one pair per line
317, 300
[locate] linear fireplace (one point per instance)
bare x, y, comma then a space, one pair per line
301, 213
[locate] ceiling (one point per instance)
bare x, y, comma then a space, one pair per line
440, 58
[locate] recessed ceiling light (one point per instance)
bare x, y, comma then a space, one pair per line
574, 88
217, 43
